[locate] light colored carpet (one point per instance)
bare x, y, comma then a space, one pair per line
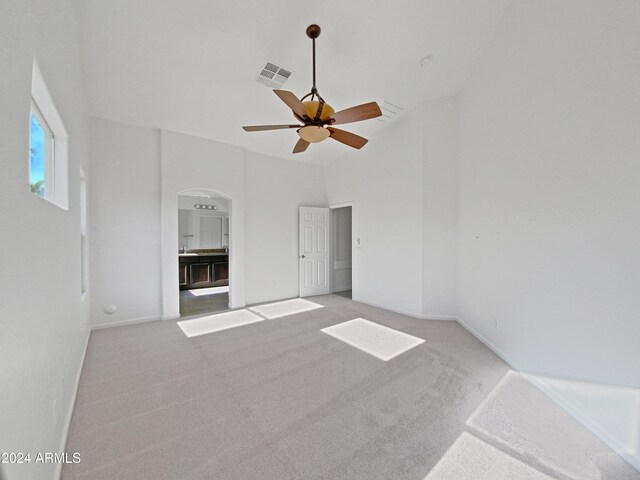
382, 342
281, 400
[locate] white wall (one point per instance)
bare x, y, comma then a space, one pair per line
384, 182
193, 163
404, 214
439, 207
185, 229
342, 249
274, 189
44, 328
124, 205
403, 185
549, 192
550, 169
141, 171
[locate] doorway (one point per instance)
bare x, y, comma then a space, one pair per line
203, 254
342, 250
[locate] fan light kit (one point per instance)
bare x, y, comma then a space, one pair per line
317, 116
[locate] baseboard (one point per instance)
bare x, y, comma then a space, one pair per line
173, 316
72, 406
407, 312
445, 318
487, 343
585, 420
132, 321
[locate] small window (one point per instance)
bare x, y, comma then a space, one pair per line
41, 150
48, 145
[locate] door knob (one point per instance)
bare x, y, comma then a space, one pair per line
302, 256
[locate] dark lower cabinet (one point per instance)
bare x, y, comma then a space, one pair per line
200, 275
221, 271
203, 271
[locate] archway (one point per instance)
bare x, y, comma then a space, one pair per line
172, 245
204, 253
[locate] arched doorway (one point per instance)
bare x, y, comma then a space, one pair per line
231, 241
203, 252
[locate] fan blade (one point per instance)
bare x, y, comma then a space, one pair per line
301, 146
292, 101
348, 138
355, 114
259, 128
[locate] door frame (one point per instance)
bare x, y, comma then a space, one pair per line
332, 252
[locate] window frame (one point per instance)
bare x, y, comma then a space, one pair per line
42, 102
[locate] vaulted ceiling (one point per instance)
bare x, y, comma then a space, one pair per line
191, 65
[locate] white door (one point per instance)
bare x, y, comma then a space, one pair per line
314, 251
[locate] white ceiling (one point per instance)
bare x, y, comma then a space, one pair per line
190, 65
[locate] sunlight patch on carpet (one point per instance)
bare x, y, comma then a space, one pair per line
199, 292
287, 307
216, 323
382, 342
470, 457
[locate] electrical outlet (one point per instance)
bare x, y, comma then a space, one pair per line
496, 323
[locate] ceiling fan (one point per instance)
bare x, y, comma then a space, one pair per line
317, 116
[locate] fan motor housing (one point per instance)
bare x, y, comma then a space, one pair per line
311, 109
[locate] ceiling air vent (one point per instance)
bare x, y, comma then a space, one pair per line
389, 111
273, 76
